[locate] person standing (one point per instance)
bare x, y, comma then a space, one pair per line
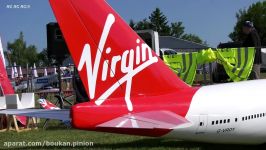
253, 40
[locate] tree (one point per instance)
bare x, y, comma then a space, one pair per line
158, 22
45, 59
31, 55
177, 30
193, 38
20, 53
132, 24
255, 13
143, 25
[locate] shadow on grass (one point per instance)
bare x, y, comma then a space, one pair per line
153, 143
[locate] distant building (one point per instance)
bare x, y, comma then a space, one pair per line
180, 45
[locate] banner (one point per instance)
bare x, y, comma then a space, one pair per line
238, 62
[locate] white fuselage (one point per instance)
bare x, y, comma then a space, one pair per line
233, 113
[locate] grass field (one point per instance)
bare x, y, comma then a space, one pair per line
56, 133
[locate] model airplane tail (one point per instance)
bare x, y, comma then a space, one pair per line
2, 52
4, 81
120, 73
113, 61
45, 104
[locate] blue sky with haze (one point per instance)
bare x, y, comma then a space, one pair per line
212, 20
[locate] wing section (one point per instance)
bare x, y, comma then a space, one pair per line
147, 120
62, 114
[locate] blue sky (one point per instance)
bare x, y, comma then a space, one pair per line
212, 20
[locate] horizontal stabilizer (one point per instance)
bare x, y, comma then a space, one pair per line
62, 114
147, 120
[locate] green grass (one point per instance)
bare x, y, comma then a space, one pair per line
58, 132
108, 141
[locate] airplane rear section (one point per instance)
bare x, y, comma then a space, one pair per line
127, 83
133, 92
143, 120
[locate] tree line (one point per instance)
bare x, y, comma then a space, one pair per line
21, 53
18, 51
157, 21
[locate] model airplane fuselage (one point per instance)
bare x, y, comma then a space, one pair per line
133, 92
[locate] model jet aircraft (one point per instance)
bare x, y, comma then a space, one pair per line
5, 85
133, 92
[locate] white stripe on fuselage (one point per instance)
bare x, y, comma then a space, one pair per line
223, 102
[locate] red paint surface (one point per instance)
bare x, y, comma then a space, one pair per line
4, 81
7, 87
156, 88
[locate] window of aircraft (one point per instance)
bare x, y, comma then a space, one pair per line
201, 123
253, 116
236, 119
221, 121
